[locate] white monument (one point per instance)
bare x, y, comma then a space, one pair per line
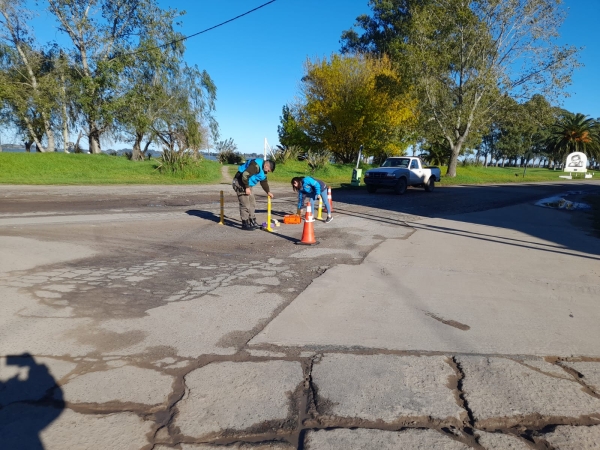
576, 162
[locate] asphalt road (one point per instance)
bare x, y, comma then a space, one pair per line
132, 315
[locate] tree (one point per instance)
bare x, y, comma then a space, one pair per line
289, 131
105, 35
467, 57
27, 76
190, 95
142, 97
575, 133
349, 101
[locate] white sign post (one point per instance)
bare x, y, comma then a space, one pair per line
576, 162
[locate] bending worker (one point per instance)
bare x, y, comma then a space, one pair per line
249, 174
311, 188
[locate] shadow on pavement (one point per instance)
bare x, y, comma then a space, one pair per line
29, 405
457, 202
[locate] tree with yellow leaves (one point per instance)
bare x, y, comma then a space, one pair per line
349, 101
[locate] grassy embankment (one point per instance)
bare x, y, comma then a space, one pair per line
61, 168
337, 174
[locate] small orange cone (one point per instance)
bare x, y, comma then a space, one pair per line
308, 233
330, 199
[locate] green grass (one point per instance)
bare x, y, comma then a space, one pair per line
493, 175
336, 174
333, 174
61, 168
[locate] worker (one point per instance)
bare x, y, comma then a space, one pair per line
249, 174
311, 188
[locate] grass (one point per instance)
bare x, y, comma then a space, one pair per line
333, 174
62, 168
336, 174
493, 175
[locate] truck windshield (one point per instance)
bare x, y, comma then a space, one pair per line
396, 162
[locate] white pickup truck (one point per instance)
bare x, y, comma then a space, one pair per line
400, 172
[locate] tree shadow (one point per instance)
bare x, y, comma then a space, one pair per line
457, 203
27, 406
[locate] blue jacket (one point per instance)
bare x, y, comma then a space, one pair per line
253, 180
311, 188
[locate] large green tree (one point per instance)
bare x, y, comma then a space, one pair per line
467, 56
106, 37
575, 133
349, 101
27, 77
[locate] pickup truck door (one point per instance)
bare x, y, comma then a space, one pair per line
416, 172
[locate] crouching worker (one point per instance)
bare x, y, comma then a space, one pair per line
311, 188
249, 174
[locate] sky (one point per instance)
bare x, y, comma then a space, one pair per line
257, 61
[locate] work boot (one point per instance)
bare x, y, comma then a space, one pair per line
247, 225
254, 223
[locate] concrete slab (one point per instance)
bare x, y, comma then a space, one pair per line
218, 323
24, 378
500, 441
19, 253
574, 438
359, 439
503, 393
126, 384
590, 371
237, 446
35, 333
526, 295
239, 398
26, 426
386, 388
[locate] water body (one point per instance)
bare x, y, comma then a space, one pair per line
152, 153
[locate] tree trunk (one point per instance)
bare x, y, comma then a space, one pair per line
50, 136
136, 154
28, 146
451, 172
146, 148
94, 140
65, 134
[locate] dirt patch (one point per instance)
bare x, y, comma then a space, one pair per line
452, 323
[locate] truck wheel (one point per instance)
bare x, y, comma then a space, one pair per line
371, 189
430, 185
401, 186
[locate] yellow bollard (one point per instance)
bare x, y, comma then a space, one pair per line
222, 221
269, 215
319, 214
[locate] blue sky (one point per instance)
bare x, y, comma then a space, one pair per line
256, 61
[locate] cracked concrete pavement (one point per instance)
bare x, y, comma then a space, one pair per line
466, 318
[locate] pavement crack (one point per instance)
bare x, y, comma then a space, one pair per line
458, 389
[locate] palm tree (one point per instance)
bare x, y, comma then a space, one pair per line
575, 133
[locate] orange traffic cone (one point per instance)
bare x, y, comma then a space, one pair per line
330, 199
308, 233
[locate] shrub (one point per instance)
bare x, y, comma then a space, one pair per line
230, 157
172, 161
318, 159
284, 154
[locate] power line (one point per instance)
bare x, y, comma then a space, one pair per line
195, 34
